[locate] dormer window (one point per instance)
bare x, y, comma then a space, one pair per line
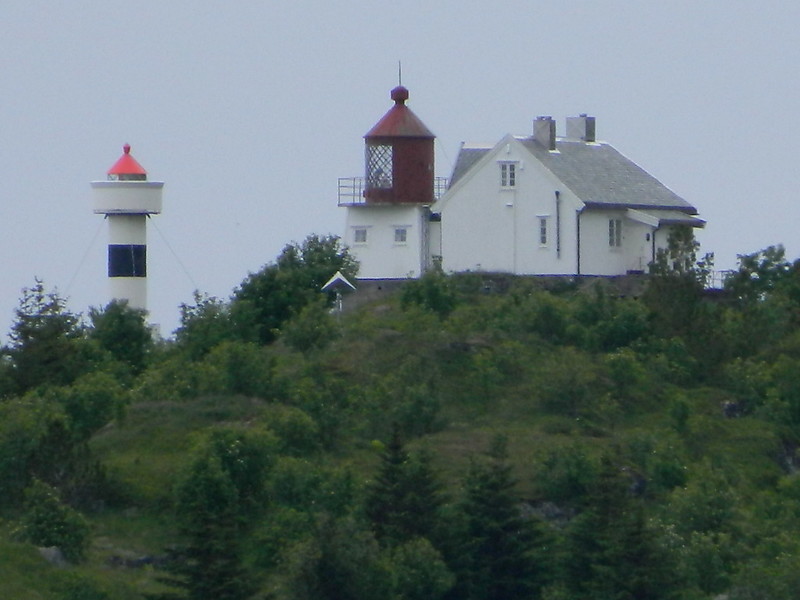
508, 175
379, 166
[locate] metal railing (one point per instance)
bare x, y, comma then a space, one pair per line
716, 281
351, 190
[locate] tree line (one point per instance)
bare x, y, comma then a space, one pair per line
451, 442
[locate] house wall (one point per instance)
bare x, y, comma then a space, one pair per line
434, 244
381, 257
639, 242
478, 227
487, 227
638, 245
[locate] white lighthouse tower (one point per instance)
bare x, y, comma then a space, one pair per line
127, 199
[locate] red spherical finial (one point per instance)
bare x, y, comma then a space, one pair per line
400, 94
126, 148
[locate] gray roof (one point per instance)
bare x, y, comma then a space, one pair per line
595, 172
467, 157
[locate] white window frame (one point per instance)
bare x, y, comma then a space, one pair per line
508, 175
400, 235
615, 233
356, 234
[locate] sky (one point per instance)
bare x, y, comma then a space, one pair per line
250, 111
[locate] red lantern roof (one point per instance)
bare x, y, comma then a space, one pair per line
127, 165
400, 121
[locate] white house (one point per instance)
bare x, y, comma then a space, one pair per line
529, 205
549, 205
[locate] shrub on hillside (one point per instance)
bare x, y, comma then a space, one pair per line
48, 522
313, 328
433, 291
241, 368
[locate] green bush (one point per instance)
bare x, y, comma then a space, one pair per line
176, 378
123, 332
298, 433
90, 403
48, 522
433, 291
22, 427
313, 328
242, 368
302, 485
565, 475
418, 571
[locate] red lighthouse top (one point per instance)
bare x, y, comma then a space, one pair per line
126, 168
399, 157
400, 121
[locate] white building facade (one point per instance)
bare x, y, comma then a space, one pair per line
390, 242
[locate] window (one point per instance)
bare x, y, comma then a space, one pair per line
542, 231
508, 175
400, 235
615, 233
360, 235
379, 166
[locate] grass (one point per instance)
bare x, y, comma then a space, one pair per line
146, 451
23, 572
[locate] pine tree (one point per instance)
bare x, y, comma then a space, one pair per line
611, 553
341, 561
404, 500
502, 550
209, 564
44, 335
209, 508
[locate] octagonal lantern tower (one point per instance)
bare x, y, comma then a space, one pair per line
399, 156
127, 199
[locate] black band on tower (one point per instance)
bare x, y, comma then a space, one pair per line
127, 260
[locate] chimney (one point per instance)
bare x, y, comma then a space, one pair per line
544, 132
581, 128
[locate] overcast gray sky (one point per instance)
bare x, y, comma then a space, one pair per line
250, 111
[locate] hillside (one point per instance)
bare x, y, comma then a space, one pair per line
452, 440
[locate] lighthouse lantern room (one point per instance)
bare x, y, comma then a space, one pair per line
127, 199
399, 156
